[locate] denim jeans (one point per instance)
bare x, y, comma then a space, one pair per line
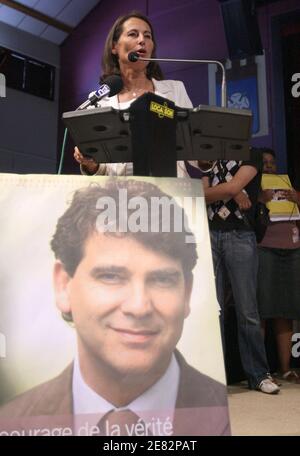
235, 252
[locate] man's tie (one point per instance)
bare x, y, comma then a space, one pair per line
121, 422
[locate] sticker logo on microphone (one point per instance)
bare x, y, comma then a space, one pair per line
162, 110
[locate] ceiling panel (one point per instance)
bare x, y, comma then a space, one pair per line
10, 16
54, 35
75, 11
29, 3
32, 25
70, 12
51, 7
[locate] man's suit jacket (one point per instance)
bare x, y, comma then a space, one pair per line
201, 406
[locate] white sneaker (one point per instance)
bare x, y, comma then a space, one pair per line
268, 387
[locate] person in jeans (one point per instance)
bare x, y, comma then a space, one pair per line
231, 191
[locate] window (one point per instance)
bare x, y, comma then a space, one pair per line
27, 74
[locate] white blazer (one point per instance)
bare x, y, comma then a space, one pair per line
172, 90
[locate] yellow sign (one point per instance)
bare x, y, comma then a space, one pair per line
280, 208
162, 110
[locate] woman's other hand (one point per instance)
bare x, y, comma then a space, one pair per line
265, 196
88, 164
291, 195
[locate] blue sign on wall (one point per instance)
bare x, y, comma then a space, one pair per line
242, 94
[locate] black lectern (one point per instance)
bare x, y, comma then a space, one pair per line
153, 133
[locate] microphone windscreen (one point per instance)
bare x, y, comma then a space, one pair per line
133, 56
115, 83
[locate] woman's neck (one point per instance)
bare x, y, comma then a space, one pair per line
135, 85
134, 79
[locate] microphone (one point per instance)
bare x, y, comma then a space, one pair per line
112, 85
134, 57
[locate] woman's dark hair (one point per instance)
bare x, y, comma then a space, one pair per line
268, 150
110, 62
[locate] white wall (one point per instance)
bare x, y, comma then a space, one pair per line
28, 124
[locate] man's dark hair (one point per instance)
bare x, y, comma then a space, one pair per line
110, 62
80, 221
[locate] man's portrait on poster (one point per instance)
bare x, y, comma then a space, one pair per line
126, 295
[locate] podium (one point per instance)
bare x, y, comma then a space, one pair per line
154, 134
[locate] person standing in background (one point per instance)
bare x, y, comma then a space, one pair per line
230, 190
279, 275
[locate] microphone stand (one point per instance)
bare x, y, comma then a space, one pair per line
216, 62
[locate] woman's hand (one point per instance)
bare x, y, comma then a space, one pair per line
88, 164
291, 195
265, 196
